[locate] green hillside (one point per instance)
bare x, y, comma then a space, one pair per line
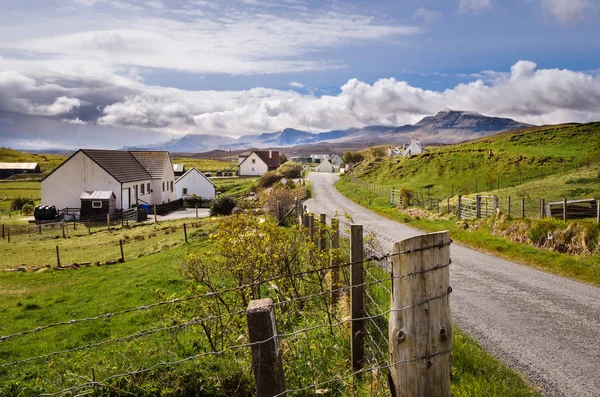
503, 160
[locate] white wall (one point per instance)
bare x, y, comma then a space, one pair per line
64, 186
196, 184
257, 169
325, 166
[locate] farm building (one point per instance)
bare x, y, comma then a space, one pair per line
135, 177
97, 203
335, 159
258, 162
9, 169
178, 170
406, 151
195, 182
325, 166
318, 158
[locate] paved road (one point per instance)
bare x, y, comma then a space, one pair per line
545, 326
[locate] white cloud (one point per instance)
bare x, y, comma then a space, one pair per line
94, 95
428, 15
566, 11
296, 84
474, 5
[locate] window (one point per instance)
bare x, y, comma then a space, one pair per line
148, 188
96, 204
253, 161
163, 186
184, 191
142, 187
171, 186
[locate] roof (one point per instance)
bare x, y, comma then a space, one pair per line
153, 161
97, 195
271, 162
121, 164
191, 170
178, 167
18, 166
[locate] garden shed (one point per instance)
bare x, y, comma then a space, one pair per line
97, 203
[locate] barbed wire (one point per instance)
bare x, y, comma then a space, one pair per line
212, 294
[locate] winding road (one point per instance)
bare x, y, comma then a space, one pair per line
545, 326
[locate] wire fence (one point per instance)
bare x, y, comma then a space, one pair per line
314, 330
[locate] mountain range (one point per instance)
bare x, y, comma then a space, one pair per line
448, 126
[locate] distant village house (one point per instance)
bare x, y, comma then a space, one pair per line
194, 182
178, 170
258, 162
407, 151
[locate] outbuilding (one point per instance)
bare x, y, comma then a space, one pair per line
325, 166
98, 203
9, 169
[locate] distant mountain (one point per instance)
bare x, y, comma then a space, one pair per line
448, 126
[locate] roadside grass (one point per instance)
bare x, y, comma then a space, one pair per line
142, 240
33, 299
579, 267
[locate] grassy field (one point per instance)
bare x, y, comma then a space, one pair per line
235, 186
27, 189
206, 165
33, 299
507, 159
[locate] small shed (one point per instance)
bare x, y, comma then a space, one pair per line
97, 203
178, 170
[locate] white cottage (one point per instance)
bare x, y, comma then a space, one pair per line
413, 148
195, 182
258, 162
325, 166
135, 177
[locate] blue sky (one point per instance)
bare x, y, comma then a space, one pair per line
107, 72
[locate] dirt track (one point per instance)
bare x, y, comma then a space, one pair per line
545, 326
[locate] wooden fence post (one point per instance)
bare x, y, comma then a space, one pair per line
448, 204
420, 327
357, 296
311, 225
565, 209
108, 221
278, 213
438, 205
459, 210
62, 225
196, 211
322, 234
154, 211
508, 205
57, 256
478, 206
8, 234
542, 208
496, 203
522, 207
266, 355
335, 261
3, 230
185, 233
122, 253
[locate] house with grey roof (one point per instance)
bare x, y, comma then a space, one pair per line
135, 177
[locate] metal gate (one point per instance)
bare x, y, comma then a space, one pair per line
478, 207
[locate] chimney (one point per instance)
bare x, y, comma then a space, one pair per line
270, 154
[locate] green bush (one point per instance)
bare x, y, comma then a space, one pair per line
18, 203
290, 170
352, 158
193, 201
28, 209
268, 179
222, 205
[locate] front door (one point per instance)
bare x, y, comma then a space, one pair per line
126, 199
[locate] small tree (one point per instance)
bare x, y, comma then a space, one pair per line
290, 170
28, 209
18, 203
352, 158
268, 179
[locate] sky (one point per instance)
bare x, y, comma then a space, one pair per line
112, 73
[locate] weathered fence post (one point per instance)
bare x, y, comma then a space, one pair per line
122, 253
185, 233
266, 355
448, 204
522, 207
508, 205
278, 213
357, 296
335, 261
542, 208
196, 211
57, 256
311, 222
8, 234
420, 327
478, 206
458, 209
62, 225
565, 209
108, 221
3, 230
154, 211
322, 234
496, 204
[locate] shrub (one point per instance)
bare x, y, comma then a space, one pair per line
352, 158
290, 170
193, 200
19, 202
28, 209
268, 179
222, 205
279, 193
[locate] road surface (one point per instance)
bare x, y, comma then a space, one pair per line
545, 326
